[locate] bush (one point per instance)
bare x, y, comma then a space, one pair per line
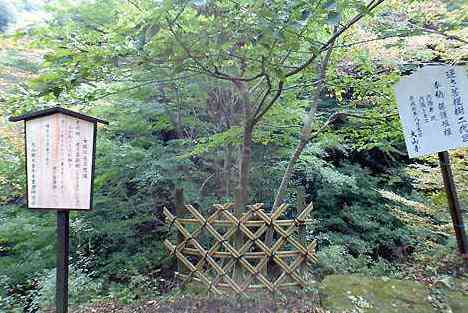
84, 287
335, 259
357, 230
27, 242
12, 174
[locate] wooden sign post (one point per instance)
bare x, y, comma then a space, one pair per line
61, 288
60, 150
433, 108
453, 203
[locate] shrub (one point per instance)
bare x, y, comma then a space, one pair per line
84, 287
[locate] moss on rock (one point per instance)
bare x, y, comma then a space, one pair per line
458, 301
359, 294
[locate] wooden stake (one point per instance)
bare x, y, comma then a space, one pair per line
61, 296
454, 204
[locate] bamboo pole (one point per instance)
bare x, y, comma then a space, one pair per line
179, 212
250, 223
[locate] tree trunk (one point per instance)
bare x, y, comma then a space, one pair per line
246, 149
306, 129
242, 194
305, 137
288, 173
284, 184
227, 170
244, 168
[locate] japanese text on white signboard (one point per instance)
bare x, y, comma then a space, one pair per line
59, 162
433, 108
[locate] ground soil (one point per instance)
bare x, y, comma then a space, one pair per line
297, 302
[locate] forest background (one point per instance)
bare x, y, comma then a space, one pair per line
233, 101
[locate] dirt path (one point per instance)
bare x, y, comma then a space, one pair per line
297, 302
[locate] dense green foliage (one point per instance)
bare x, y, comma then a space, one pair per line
180, 81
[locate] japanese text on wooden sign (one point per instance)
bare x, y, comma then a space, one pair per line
59, 151
433, 108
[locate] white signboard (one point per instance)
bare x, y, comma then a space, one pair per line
433, 107
59, 151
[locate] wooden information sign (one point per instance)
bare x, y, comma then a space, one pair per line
60, 146
433, 108
59, 154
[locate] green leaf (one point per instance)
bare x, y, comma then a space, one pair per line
179, 68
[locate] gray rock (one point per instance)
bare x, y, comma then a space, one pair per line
359, 294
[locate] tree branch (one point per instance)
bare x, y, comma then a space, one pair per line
145, 83
265, 95
371, 6
433, 30
215, 73
135, 5
278, 93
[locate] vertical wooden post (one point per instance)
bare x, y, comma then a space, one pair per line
239, 207
61, 295
300, 206
179, 213
454, 204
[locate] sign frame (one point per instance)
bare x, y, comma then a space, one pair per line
453, 201
63, 214
51, 111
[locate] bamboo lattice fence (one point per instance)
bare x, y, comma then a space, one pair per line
215, 266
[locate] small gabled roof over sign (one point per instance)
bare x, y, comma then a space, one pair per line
41, 113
